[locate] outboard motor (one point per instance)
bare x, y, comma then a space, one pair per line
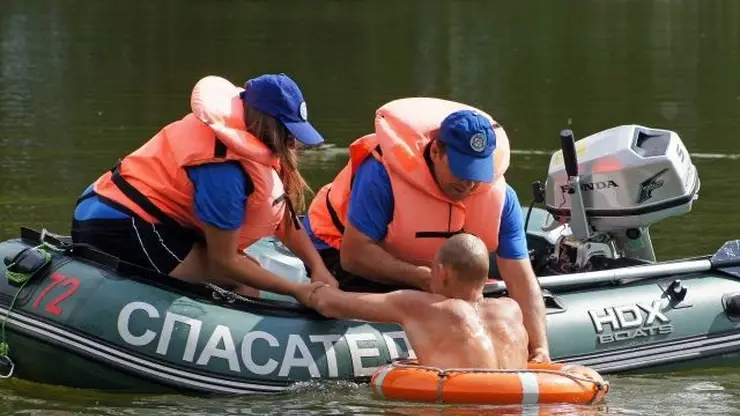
604, 191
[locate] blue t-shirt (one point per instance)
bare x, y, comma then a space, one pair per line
220, 196
371, 210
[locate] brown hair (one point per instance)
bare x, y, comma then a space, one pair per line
276, 137
467, 257
434, 139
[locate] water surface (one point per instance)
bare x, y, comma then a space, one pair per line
84, 82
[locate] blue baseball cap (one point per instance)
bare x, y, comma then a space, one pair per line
279, 96
470, 142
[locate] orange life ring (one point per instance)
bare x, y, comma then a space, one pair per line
539, 383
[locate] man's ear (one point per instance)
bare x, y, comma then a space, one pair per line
444, 275
434, 152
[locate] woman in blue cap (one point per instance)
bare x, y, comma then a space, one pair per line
188, 201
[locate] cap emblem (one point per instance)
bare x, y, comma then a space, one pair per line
478, 142
303, 110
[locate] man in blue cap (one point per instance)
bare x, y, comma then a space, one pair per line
189, 200
409, 187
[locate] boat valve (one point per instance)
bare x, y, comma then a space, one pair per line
676, 291
732, 305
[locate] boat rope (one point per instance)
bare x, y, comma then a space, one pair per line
7, 362
444, 373
227, 295
221, 293
20, 278
4, 347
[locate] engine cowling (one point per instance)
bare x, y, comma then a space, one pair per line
631, 176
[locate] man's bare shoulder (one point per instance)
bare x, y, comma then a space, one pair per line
453, 308
502, 308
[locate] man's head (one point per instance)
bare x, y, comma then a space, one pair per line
463, 153
460, 264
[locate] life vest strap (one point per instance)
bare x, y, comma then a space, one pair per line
378, 154
85, 196
333, 214
139, 199
220, 149
438, 234
289, 205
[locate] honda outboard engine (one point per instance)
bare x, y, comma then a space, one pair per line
605, 191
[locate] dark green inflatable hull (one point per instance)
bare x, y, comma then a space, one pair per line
87, 321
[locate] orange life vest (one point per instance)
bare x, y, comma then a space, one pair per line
423, 216
152, 181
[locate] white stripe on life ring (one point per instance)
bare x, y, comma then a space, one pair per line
530, 388
378, 385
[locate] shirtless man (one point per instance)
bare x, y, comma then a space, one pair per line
451, 327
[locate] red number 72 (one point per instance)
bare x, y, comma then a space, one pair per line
58, 279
